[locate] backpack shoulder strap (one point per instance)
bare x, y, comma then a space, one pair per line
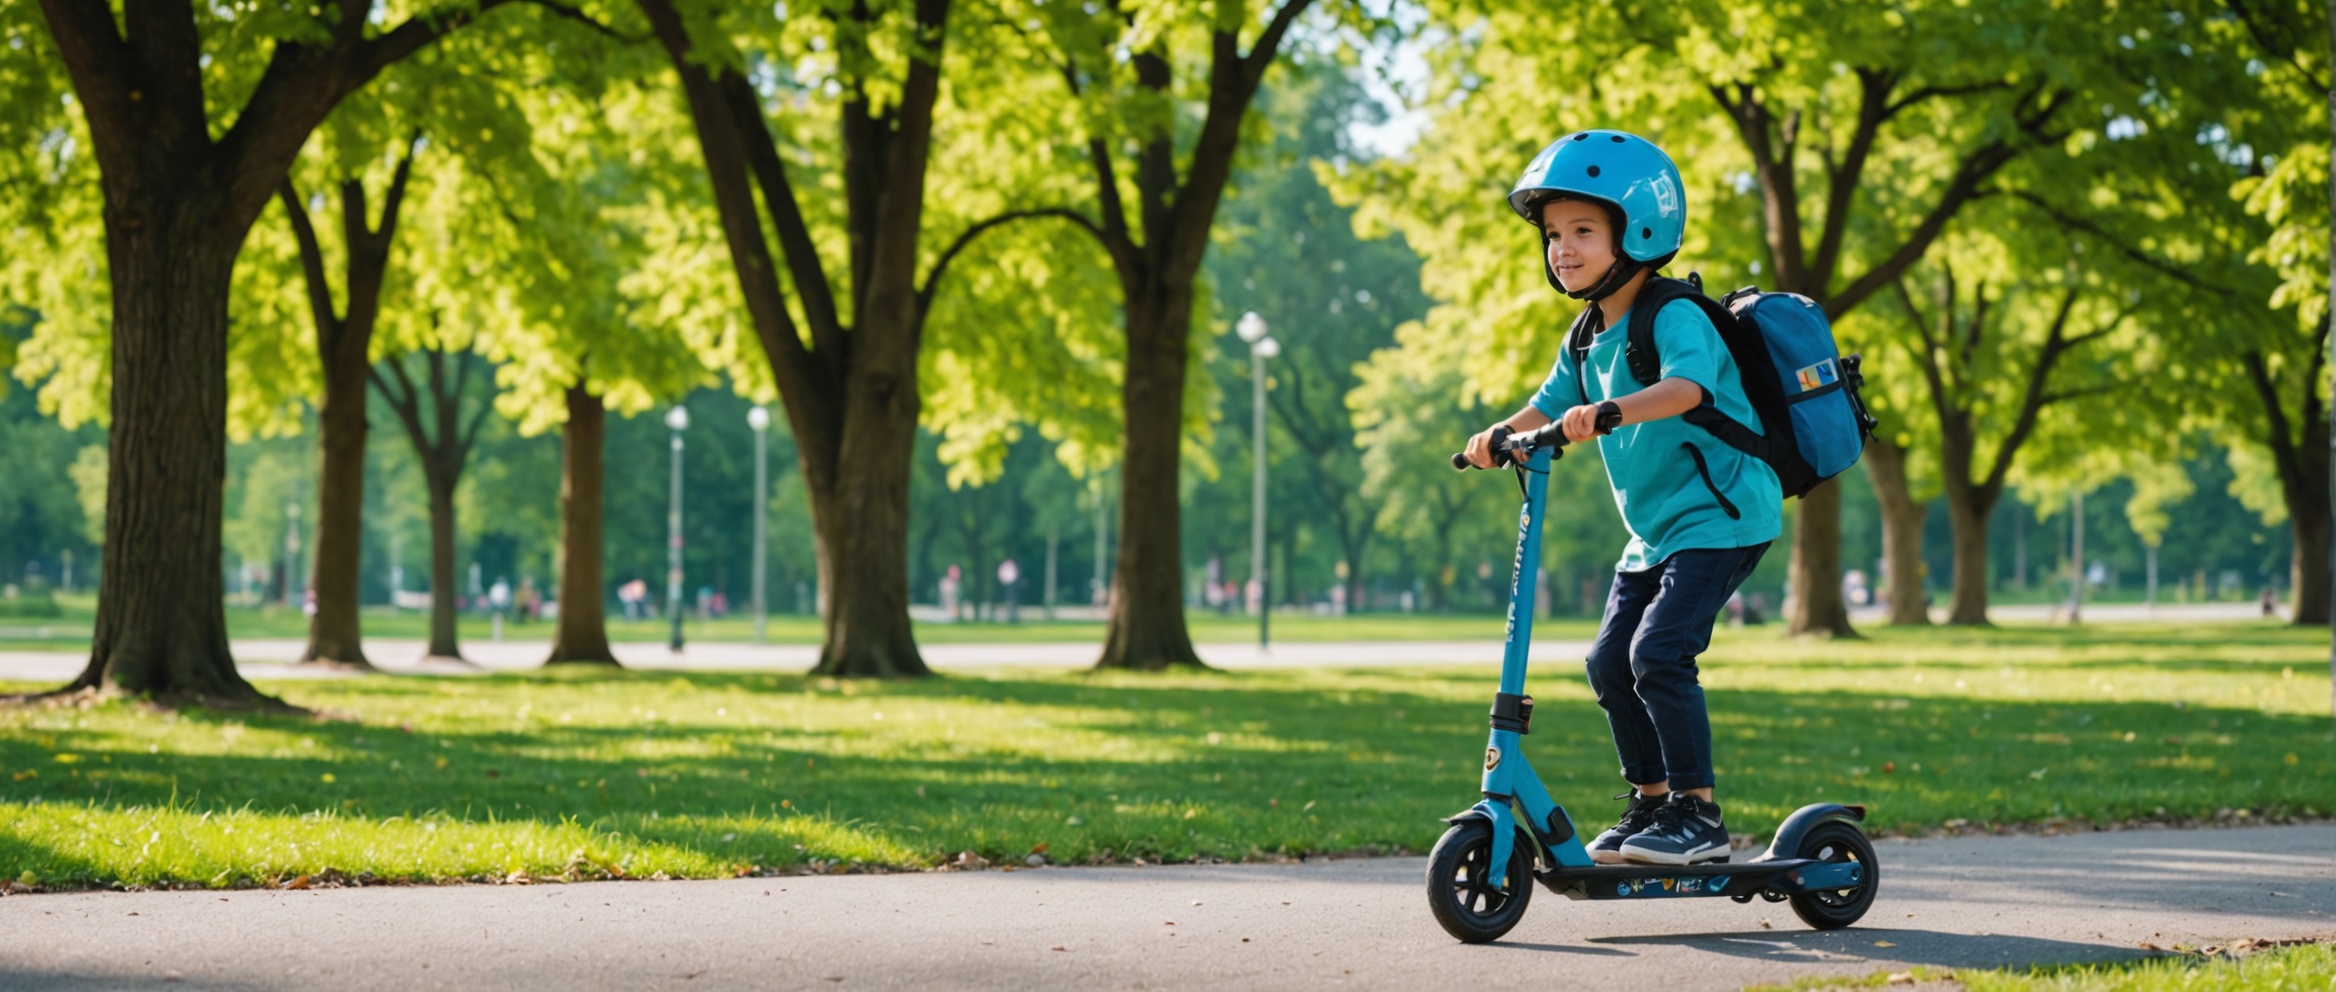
1645, 360
1577, 349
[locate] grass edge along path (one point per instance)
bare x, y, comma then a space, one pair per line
2307, 965
611, 774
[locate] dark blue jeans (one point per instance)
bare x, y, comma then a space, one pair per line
1642, 666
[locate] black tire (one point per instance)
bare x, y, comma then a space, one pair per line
1468, 908
1832, 909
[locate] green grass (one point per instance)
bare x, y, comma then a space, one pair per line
707, 774
2304, 968
71, 631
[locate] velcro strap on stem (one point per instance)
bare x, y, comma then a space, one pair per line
1512, 712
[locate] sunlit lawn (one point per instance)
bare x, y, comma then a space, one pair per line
2306, 968
707, 774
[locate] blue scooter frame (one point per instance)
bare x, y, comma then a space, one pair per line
1819, 858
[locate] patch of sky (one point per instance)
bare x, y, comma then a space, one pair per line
1393, 69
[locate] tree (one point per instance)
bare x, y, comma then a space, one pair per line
1122, 67
344, 341
1886, 457
606, 303
2298, 85
1976, 361
442, 433
182, 188
847, 375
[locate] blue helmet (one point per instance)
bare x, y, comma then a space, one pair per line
1636, 182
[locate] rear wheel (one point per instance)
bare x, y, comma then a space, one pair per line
1831, 909
1460, 890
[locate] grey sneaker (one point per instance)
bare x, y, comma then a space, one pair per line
1686, 831
1637, 816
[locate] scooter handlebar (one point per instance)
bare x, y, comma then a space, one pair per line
1509, 447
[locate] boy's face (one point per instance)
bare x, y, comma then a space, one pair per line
1581, 242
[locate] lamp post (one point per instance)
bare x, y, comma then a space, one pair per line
677, 419
1262, 346
759, 418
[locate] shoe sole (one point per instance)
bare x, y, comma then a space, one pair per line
1606, 857
1709, 855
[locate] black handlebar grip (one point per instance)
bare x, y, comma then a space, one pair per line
1460, 460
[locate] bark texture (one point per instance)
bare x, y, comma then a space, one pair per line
344, 341
178, 204
1902, 519
1146, 629
1816, 606
850, 391
442, 437
1773, 135
582, 634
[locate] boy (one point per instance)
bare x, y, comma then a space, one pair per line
1611, 211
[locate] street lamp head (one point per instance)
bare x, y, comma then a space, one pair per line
759, 418
677, 418
1267, 348
1251, 327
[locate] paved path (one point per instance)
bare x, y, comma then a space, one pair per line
1341, 924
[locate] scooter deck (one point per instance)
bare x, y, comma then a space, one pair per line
1643, 881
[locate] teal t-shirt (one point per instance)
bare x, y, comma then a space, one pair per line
1666, 501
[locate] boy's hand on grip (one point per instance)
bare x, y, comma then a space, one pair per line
1479, 451
1581, 423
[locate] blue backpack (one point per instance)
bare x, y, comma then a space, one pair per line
1813, 423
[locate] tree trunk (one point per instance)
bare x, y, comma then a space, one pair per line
1902, 520
161, 628
863, 529
1147, 605
334, 632
582, 635
2309, 577
1967, 518
2309, 514
1815, 571
442, 638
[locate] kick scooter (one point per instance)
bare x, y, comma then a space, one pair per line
1481, 874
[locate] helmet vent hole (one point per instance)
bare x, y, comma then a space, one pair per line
1618, 139
1646, 232
1584, 136
1593, 172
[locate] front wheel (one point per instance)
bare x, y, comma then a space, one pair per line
1460, 892
1832, 909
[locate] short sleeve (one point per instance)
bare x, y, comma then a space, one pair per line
1689, 345
1558, 393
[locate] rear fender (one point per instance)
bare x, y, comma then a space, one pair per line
1787, 842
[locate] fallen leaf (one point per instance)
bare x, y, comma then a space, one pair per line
1884, 943
1901, 978
1058, 947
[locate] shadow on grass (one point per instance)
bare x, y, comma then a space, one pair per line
1100, 768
